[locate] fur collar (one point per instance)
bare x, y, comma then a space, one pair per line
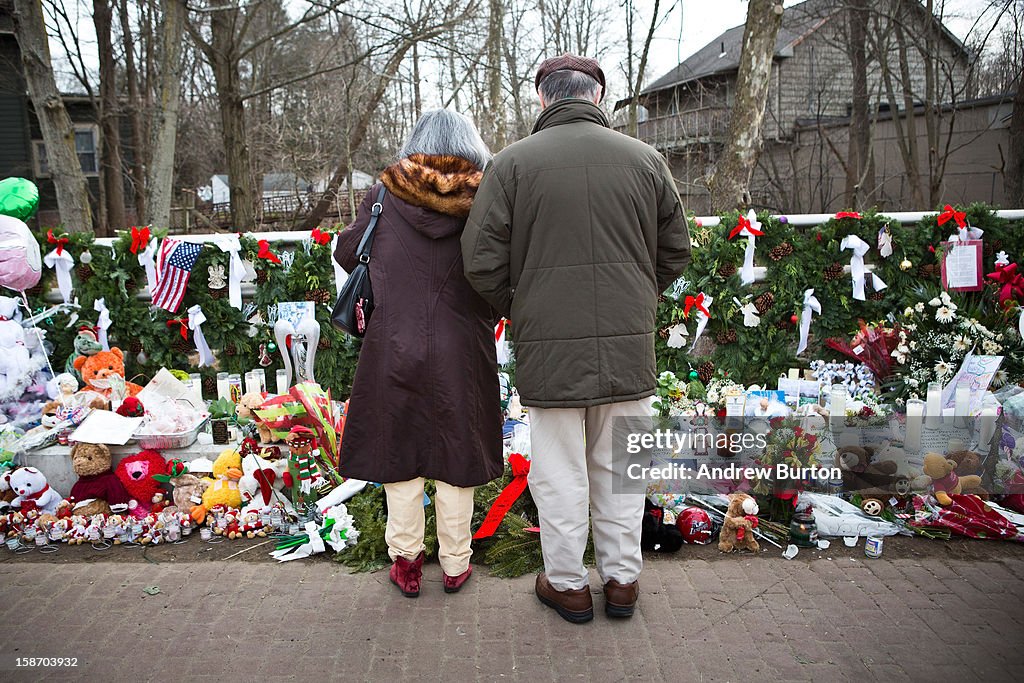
445, 184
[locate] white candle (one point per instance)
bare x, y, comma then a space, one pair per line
282, 381
837, 409
961, 405
261, 375
223, 385
197, 389
986, 427
252, 383
934, 407
915, 412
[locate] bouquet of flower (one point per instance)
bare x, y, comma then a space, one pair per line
872, 345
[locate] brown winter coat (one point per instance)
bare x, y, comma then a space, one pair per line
574, 233
425, 399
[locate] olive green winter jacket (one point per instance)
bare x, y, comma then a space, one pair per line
574, 232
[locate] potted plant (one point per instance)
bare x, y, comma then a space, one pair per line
221, 411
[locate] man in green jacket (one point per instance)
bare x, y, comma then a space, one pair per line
574, 232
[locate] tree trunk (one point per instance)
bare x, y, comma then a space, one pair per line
859, 164
134, 113
730, 181
356, 136
494, 31
1014, 177
110, 147
160, 172
224, 61
58, 133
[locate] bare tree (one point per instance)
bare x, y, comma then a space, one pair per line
859, 161
111, 180
729, 183
160, 171
58, 133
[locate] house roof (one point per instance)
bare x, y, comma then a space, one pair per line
722, 55
274, 182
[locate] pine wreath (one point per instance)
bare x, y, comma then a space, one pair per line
833, 271
764, 302
705, 371
727, 269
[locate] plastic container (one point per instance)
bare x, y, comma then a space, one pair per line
873, 547
159, 442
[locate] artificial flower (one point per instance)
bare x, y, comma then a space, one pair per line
945, 314
942, 368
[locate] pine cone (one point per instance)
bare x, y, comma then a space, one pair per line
261, 277
726, 337
35, 290
231, 350
727, 269
323, 344
218, 293
928, 270
182, 345
135, 346
764, 302
84, 272
780, 252
662, 298
783, 324
210, 387
705, 371
833, 272
320, 295
876, 296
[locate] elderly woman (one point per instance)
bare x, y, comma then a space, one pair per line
425, 399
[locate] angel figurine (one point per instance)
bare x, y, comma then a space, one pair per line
218, 280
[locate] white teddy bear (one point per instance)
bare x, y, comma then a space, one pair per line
30, 486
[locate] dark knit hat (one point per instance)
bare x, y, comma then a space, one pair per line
568, 62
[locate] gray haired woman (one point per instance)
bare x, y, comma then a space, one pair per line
425, 399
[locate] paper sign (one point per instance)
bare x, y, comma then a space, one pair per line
103, 426
295, 311
961, 266
975, 373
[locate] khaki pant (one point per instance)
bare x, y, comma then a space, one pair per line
454, 514
571, 466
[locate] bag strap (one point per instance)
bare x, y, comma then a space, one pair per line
363, 250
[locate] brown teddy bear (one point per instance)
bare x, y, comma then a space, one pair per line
967, 463
945, 482
188, 488
739, 524
97, 482
861, 471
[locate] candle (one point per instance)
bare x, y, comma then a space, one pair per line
197, 389
961, 406
252, 383
934, 407
986, 427
282, 381
261, 374
223, 385
837, 407
915, 411
235, 387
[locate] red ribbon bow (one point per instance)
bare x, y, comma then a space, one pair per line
741, 532
319, 236
265, 252
1011, 284
949, 213
744, 224
59, 241
140, 238
520, 469
697, 301
184, 326
848, 214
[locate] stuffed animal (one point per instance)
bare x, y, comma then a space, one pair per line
944, 480
136, 473
655, 534
98, 368
86, 344
97, 487
188, 488
223, 488
739, 524
247, 404
968, 463
17, 365
33, 493
263, 481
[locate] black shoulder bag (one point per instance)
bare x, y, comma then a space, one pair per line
355, 303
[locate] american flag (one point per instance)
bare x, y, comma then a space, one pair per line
174, 262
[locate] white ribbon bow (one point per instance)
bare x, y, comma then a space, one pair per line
102, 322
747, 271
677, 336
811, 306
61, 263
751, 318
702, 320
147, 259
340, 275
857, 269
196, 318
236, 268
966, 233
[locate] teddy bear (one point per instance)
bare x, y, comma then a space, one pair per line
136, 473
97, 369
33, 493
968, 463
738, 526
861, 471
944, 480
187, 488
97, 487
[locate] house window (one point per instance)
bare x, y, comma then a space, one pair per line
86, 146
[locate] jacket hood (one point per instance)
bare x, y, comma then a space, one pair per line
436, 191
570, 111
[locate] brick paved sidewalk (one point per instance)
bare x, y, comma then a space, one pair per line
752, 619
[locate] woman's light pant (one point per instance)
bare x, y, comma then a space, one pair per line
453, 507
